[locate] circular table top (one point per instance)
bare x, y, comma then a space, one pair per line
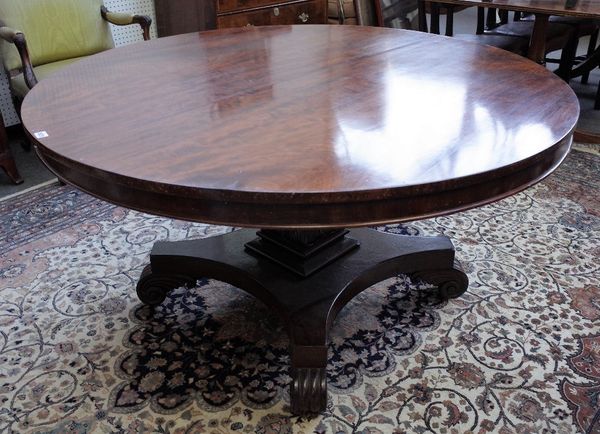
302, 126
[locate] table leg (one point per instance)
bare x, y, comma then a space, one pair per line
307, 304
537, 43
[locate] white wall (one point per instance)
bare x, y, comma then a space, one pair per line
121, 35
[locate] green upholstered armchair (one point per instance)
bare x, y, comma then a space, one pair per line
37, 37
41, 36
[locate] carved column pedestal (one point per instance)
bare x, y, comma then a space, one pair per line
304, 276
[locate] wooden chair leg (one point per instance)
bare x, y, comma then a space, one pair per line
7, 162
435, 18
591, 47
503, 14
491, 20
449, 20
378, 14
567, 57
25, 143
422, 15
480, 21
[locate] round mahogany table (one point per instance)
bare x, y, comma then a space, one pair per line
302, 131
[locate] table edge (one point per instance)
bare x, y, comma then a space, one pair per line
312, 209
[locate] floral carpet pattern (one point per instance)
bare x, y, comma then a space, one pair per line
519, 352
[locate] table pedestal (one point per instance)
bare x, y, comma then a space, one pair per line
307, 297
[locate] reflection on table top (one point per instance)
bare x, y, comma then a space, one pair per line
301, 109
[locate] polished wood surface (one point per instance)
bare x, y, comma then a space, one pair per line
302, 126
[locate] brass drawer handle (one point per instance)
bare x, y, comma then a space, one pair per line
303, 17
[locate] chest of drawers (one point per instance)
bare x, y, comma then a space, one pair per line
182, 16
237, 13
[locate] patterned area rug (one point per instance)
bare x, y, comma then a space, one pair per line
518, 353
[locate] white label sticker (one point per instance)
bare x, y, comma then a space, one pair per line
40, 134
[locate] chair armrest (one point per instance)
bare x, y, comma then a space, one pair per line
18, 38
124, 19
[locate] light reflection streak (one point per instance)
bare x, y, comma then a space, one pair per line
433, 131
435, 112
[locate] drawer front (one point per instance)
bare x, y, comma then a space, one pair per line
240, 5
312, 12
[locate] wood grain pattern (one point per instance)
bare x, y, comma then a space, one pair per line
302, 126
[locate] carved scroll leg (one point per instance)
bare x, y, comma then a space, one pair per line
451, 282
308, 391
152, 288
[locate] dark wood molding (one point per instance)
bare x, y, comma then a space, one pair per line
284, 211
292, 250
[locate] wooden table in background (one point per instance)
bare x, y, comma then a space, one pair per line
542, 9
302, 131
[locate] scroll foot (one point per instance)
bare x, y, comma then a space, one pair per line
308, 393
152, 289
451, 282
